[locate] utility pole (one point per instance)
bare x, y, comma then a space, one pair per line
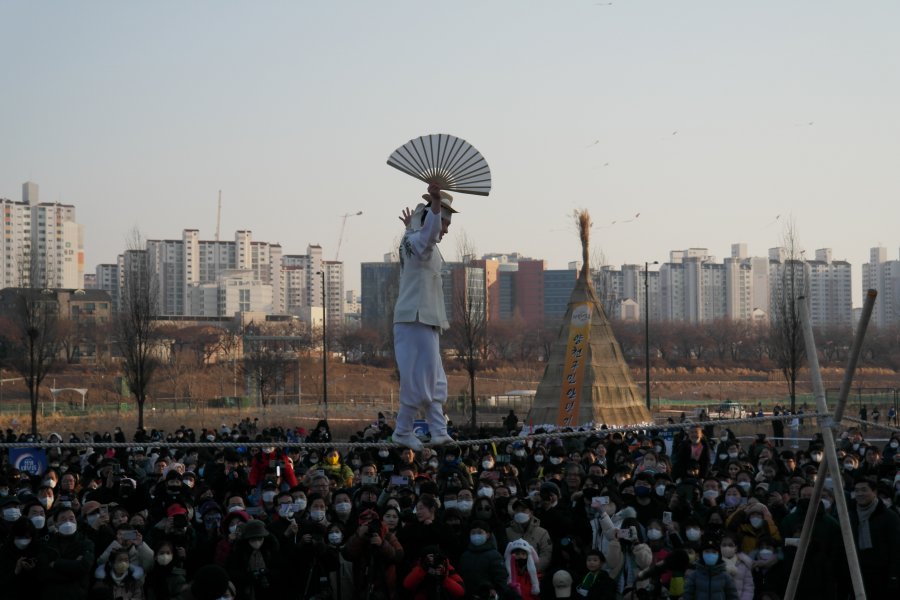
324, 346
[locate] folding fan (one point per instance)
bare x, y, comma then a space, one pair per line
448, 161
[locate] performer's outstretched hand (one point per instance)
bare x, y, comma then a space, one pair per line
406, 216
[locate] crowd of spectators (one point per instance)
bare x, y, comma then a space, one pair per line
604, 516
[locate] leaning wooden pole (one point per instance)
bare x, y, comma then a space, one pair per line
840, 499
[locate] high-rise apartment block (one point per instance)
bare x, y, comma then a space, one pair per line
195, 277
43, 245
883, 276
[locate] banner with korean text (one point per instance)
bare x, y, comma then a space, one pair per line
574, 364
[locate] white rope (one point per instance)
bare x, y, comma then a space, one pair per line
385, 444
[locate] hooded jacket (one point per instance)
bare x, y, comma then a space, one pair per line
537, 537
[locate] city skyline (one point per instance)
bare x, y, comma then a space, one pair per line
675, 125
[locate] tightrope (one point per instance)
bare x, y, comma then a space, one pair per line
648, 428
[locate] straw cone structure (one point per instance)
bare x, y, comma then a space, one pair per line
587, 381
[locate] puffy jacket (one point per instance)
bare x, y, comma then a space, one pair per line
421, 588
537, 536
66, 563
709, 583
481, 565
740, 569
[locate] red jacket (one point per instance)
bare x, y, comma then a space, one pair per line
261, 463
452, 583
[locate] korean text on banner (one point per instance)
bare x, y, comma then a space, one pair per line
573, 367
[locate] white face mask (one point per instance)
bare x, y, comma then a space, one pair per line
660, 490
233, 528
555, 460
450, 504
522, 518
22, 543
343, 508
693, 534
268, 497
256, 544
335, 538
38, 521
67, 528
826, 503
654, 534
317, 515
12, 514
163, 559
756, 522
513, 490
235, 508
538, 458
487, 465
765, 554
485, 492
464, 506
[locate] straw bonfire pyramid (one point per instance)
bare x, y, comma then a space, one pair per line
587, 382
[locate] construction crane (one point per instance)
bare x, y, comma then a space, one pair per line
341, 236
219, 215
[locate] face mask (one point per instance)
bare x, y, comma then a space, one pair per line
11, 514
22, 543
513, 490
268, 450
4, 492
464, 506
477, 539
485, 492
433, 464
816, 456
744, 485
520, 453
733, 454
895, 444
331, 460
450, 504
555, 460
732, 501
654, 534
729, 551
268, 496
826, 503
235, 508
661, 490
343, 508
849, 466
335, 538
317, 515
38, 522
163, 559
383, 453
522, 518
67, 528
256, 544
765, 554
521, 562
487, 465
50, 483
233, 528
710, 558
641, 491
829, 483
710, 494
693, 534
723, 456
538, 458
756, 522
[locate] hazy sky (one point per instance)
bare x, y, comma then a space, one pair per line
709, 118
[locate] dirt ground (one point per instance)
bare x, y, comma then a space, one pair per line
358, 393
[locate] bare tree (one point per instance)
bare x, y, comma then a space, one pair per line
468, 333
135, 326
791, 287
31, 338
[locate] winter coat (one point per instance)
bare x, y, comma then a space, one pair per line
537, 536
25, 583
129, 588
374, 567
880, 564
422, 587
65, 565
709, 583
483, 565
165, 583
740, 569
624, 565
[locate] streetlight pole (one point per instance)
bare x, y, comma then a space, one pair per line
324, 346
647, 328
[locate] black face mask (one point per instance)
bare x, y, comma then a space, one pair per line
521, 562
404, 502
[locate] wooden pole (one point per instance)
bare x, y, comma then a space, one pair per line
840, 499
812, 510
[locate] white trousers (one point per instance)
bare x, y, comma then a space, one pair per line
423, 383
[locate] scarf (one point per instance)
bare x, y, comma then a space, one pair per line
864, 535
256, 561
